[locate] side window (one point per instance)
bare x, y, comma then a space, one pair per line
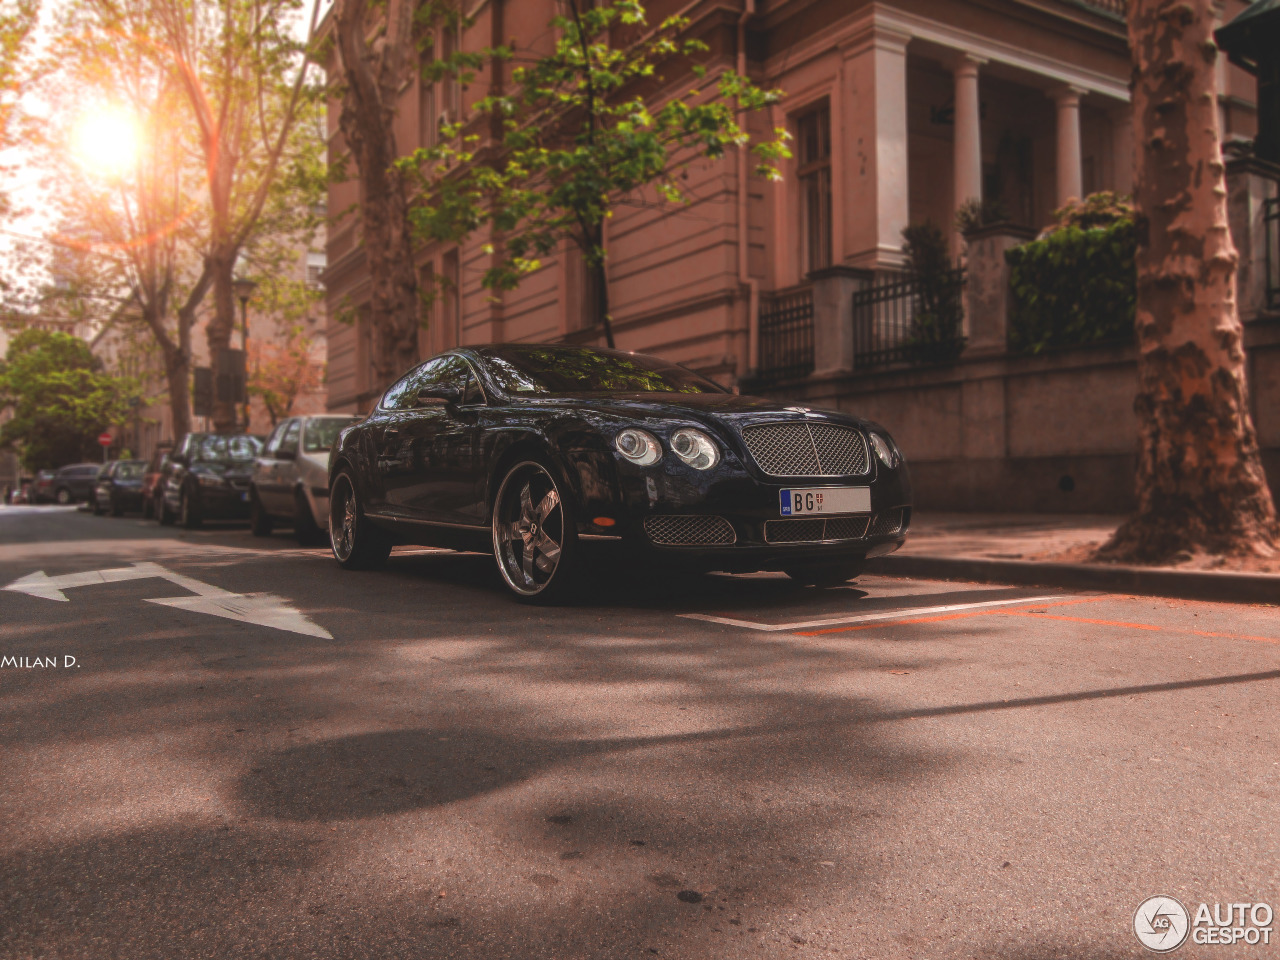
404, 392
289, 442
446, 370
473, 395
273, 441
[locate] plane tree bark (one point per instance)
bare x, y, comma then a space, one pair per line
372, 74
1200, 481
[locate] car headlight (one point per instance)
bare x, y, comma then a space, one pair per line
885, 450
639, 446
209, 479
695, 448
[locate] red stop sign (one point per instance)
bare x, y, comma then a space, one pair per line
104, 439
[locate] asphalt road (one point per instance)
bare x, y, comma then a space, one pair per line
289, 760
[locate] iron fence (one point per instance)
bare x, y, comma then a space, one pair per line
906, 318
786, 335
1271, 230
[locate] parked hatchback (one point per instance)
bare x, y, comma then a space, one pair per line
207, 478
119, 487
74, 483
291, 477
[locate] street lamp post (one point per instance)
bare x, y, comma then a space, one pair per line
244, 288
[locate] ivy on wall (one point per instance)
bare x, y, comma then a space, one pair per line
1076, 284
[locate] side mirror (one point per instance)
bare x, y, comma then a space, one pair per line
441, 394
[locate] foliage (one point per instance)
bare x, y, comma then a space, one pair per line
282, 371
1101, 209
974, 214
1073, 287
583, 129
18, 20
937, 322
59, 398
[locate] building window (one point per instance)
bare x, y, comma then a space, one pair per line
450, 89
428, 119
315, 268
451, 295
813, 142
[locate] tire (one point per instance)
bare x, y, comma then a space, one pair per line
356, 542
260, 522
305, 528
535, 538
833, 574
189, 510
63, 496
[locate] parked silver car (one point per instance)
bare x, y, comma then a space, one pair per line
291, 477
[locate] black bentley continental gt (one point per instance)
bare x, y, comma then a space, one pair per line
539, 452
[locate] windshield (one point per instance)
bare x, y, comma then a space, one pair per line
130, 470
213, 447
320, 434
554, 370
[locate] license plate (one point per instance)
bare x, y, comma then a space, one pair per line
806, 500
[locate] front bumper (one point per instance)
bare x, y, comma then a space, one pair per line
224, 503
751, 507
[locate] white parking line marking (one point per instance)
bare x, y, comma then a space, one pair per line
863, 617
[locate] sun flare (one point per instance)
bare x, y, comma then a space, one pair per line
107, 141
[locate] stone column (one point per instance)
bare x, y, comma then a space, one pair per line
968, 134
1122, 148
1250, 183
986, 290
873, 125
1070, 173
833, 290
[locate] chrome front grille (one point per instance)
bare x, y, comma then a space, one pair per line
801, 449
685, 531
815, 529
886, 523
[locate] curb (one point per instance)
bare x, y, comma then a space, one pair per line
1229, 587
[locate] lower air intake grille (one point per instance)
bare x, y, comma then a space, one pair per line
682, 531
886, 524
815, 530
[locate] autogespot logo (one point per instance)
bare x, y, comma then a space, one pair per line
1161, 924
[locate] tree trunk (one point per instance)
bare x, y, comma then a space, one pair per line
219, 331
1200, 482
177, 370
373, 78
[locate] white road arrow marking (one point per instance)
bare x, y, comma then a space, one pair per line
263, 609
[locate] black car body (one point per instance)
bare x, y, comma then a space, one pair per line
434, 463
119, 487
207, 478
71, 483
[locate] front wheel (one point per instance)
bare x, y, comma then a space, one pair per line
63, 496
824, 574
259, 520
189, 510
535, 542
357, 543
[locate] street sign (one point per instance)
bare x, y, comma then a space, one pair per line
231, 377
104, 439
202, 395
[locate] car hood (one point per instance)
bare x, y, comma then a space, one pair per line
707, 408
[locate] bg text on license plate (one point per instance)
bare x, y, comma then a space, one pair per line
805, 500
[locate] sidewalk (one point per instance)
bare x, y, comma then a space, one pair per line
1048, 550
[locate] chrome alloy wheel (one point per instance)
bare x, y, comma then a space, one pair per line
342, 519
529, 529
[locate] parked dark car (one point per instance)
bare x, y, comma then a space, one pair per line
119, 487
68, 484
207, 478
41, 489
151, 480
534, 451
291, 477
